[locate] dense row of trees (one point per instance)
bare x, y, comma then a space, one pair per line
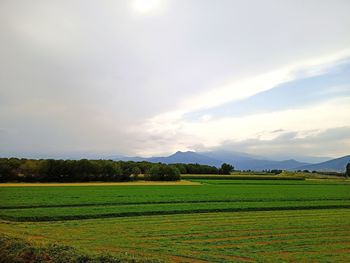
62, 170
50, 170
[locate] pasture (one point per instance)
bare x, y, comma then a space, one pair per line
208, 221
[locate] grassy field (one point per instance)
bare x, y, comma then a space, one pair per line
132, 183
210, 221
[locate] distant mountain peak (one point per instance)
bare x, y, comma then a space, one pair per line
184, 152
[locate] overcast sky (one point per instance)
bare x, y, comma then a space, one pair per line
148, 77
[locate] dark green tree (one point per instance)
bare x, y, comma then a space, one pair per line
226, 168
136, 171
347, 171
5, 170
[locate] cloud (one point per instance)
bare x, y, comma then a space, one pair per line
329, 142
306, 90
79, 76
293, 123
277, 131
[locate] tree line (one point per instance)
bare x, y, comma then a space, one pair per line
51, 170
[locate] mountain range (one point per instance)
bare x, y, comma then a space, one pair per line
337, 165
244, 161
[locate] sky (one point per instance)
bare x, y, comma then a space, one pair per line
150, 77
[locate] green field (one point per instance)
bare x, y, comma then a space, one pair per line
216, 221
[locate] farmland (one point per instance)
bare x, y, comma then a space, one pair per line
209, 221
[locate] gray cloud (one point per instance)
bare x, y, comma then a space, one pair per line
277, 131
331, 142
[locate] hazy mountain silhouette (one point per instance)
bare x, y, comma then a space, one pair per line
336, 165
241, 161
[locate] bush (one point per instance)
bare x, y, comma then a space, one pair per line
163, 172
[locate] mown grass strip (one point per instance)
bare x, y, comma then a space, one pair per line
165, 212
174, 202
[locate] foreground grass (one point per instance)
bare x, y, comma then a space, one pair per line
269, 236
244, 221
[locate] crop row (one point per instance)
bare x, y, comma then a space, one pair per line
74, 213
16, 197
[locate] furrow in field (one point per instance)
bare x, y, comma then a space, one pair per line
234, 226
183, 259
335, 255
228, 234
271, 235
288, 241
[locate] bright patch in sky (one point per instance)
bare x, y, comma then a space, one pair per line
146, 6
